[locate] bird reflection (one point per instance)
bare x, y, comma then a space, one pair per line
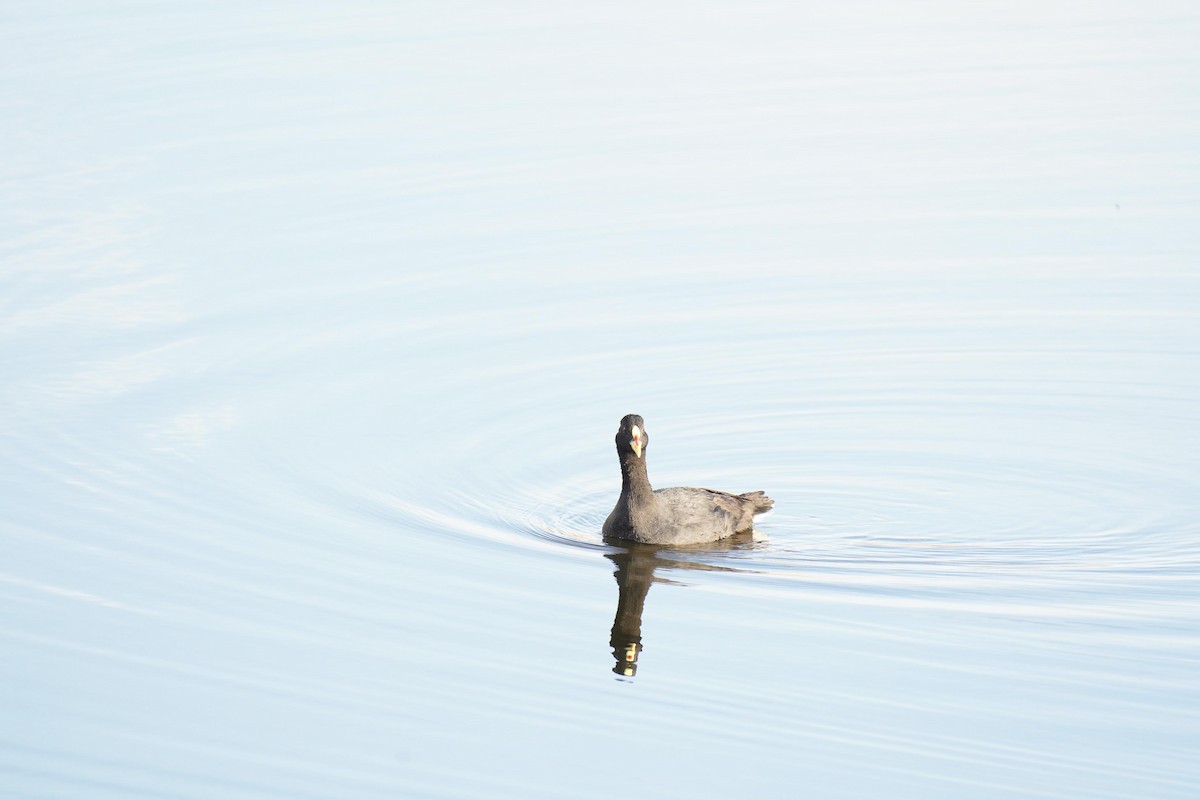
636, 568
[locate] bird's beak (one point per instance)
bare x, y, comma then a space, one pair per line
636, 443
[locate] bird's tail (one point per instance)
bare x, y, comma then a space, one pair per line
759, 500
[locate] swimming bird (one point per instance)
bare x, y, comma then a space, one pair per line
680, 515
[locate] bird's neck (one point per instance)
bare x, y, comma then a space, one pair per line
634, 480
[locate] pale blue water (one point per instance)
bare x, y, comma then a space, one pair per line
316, 323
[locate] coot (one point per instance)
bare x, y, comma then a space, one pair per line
680, 515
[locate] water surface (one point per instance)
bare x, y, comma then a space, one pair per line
316, 325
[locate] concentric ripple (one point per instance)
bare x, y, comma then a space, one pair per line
1033, 493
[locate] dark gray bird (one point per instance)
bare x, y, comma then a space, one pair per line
680, 515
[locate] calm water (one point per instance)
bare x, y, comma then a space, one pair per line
316, 323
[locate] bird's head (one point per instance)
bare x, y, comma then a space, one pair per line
631, 436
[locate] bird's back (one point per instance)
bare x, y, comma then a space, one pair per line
689, 515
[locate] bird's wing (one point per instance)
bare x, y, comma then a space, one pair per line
726, 502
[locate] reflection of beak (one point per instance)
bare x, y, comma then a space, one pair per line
629, 667
636, 443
